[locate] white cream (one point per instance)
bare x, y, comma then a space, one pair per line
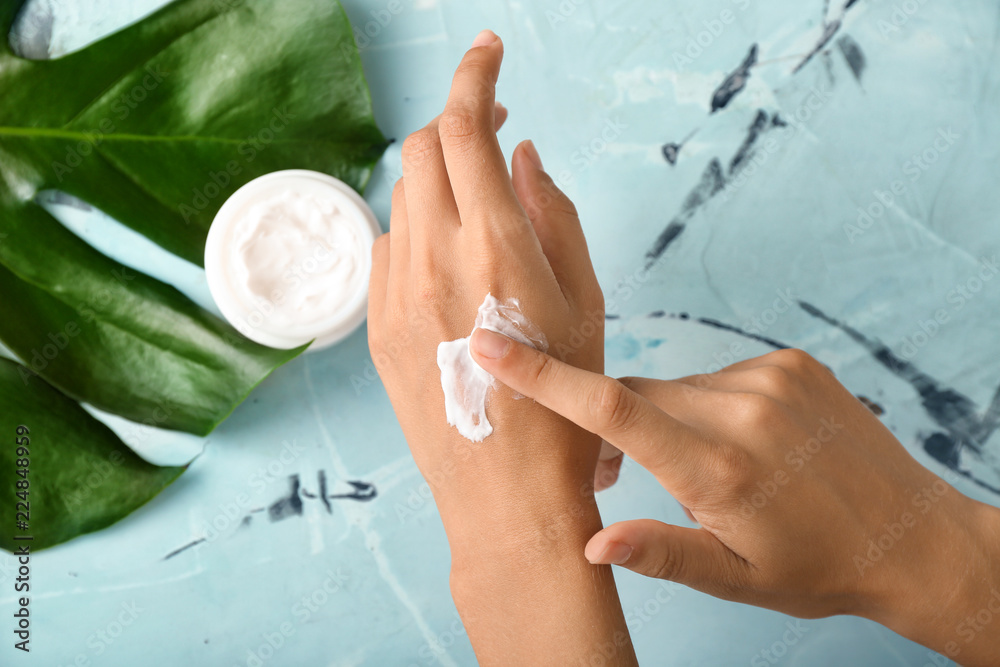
288, 259
466, 385
297, 251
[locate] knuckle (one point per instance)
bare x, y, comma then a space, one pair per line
459, 123
542, 369
754, 413
428, 294
631, 382
613, 405
668, 564
775, 381
420, 147
546, 199
794, 360
477, 75
730, 464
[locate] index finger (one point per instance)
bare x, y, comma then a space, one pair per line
665, 446
476, 165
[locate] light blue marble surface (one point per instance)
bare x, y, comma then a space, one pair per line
600, 88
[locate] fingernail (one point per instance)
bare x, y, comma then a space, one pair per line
485, 38
529, 148
615, 553
489, 344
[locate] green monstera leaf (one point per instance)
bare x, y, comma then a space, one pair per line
157, 125
63, 472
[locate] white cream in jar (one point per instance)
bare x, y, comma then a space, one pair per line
288, 259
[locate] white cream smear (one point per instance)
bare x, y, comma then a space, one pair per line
301, 256
466, 385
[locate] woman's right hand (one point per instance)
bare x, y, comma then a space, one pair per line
807, 503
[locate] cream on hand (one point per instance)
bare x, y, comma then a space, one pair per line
466, 385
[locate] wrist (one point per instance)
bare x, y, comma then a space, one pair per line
526, 480
536, 523
947, 579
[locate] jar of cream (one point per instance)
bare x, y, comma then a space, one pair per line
288, 259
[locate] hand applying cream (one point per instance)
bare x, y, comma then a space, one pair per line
466, 386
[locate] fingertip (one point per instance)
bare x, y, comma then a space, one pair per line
489, 345
532, 154
607, 473
485, 38
500, 114
595, 547
603, 551
380, 248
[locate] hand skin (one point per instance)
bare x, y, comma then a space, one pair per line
807, 504
519, 507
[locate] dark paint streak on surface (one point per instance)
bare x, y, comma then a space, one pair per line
853, 54
183, 548
668, 236
322, 491
363, 491
941, 448
713, 180
715, 324
671, 151
957, 414
723, 95
735, 82
757, 127
291, 505
829, 30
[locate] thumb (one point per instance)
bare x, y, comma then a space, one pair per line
690, 556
